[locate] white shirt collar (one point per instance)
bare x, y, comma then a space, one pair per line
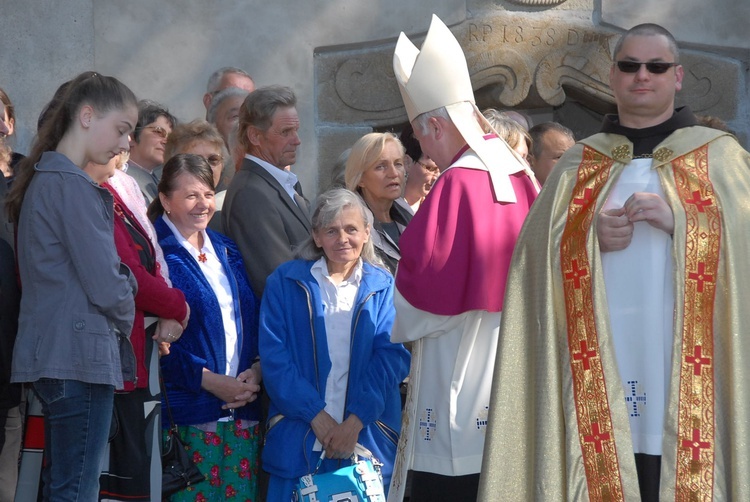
208, 247
320, 270
286, 179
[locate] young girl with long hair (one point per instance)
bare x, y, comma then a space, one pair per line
77, 304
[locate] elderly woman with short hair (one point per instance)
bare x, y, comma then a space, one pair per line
330, 368
375, 170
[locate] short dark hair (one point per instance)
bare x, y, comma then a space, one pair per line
148, 112
411, 144
188, 163
647, 30
538, 131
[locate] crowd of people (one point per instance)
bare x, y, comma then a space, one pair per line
165, 277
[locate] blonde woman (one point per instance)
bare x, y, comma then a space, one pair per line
375, 170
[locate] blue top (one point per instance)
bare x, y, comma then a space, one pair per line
294, 354
202, 345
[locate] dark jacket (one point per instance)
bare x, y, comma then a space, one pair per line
10, 298
386, 248
264, 222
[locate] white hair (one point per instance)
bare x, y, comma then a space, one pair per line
215, 79
221, 96
423, 119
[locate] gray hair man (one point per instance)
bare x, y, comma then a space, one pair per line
264, 211
228, 76
224, 111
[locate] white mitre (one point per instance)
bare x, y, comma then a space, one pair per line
437, 76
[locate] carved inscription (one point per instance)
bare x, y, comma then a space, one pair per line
537, 3
534, 36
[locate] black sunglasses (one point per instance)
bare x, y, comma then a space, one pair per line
657, 67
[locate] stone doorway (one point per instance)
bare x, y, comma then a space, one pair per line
551, 69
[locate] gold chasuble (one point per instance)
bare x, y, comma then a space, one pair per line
558, 422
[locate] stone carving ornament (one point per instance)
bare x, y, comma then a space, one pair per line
507, 56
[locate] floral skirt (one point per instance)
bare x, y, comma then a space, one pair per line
228, 458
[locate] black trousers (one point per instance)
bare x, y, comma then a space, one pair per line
649, 473
430, 487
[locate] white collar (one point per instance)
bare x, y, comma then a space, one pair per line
208, 247
287, 179
320, 269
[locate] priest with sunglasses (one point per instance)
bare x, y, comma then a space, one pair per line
622, 359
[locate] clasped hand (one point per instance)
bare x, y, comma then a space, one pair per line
338, 440
235, 392
615, 226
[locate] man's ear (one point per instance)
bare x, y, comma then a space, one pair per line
679, 75
207, 98
253, 135
435, 127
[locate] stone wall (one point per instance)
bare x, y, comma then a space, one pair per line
548, 57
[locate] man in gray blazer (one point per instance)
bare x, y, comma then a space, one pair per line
264, 211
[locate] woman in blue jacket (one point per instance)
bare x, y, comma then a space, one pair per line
330, 369
211, 374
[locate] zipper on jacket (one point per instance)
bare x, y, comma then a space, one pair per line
315, 360
312, 334
387, 431
360, 308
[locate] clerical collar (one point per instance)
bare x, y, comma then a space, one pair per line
646, 139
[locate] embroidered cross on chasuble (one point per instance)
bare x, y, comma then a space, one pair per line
695, 428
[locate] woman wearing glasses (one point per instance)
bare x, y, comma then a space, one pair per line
147, 142
202, 138
421, 170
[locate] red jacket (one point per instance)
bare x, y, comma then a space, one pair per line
154, 295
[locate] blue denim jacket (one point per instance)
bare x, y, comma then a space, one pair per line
77, 304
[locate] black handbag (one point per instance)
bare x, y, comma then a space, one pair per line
178, 469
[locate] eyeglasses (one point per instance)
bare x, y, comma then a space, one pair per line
159, 131
656, 67
215, 160
428, 167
